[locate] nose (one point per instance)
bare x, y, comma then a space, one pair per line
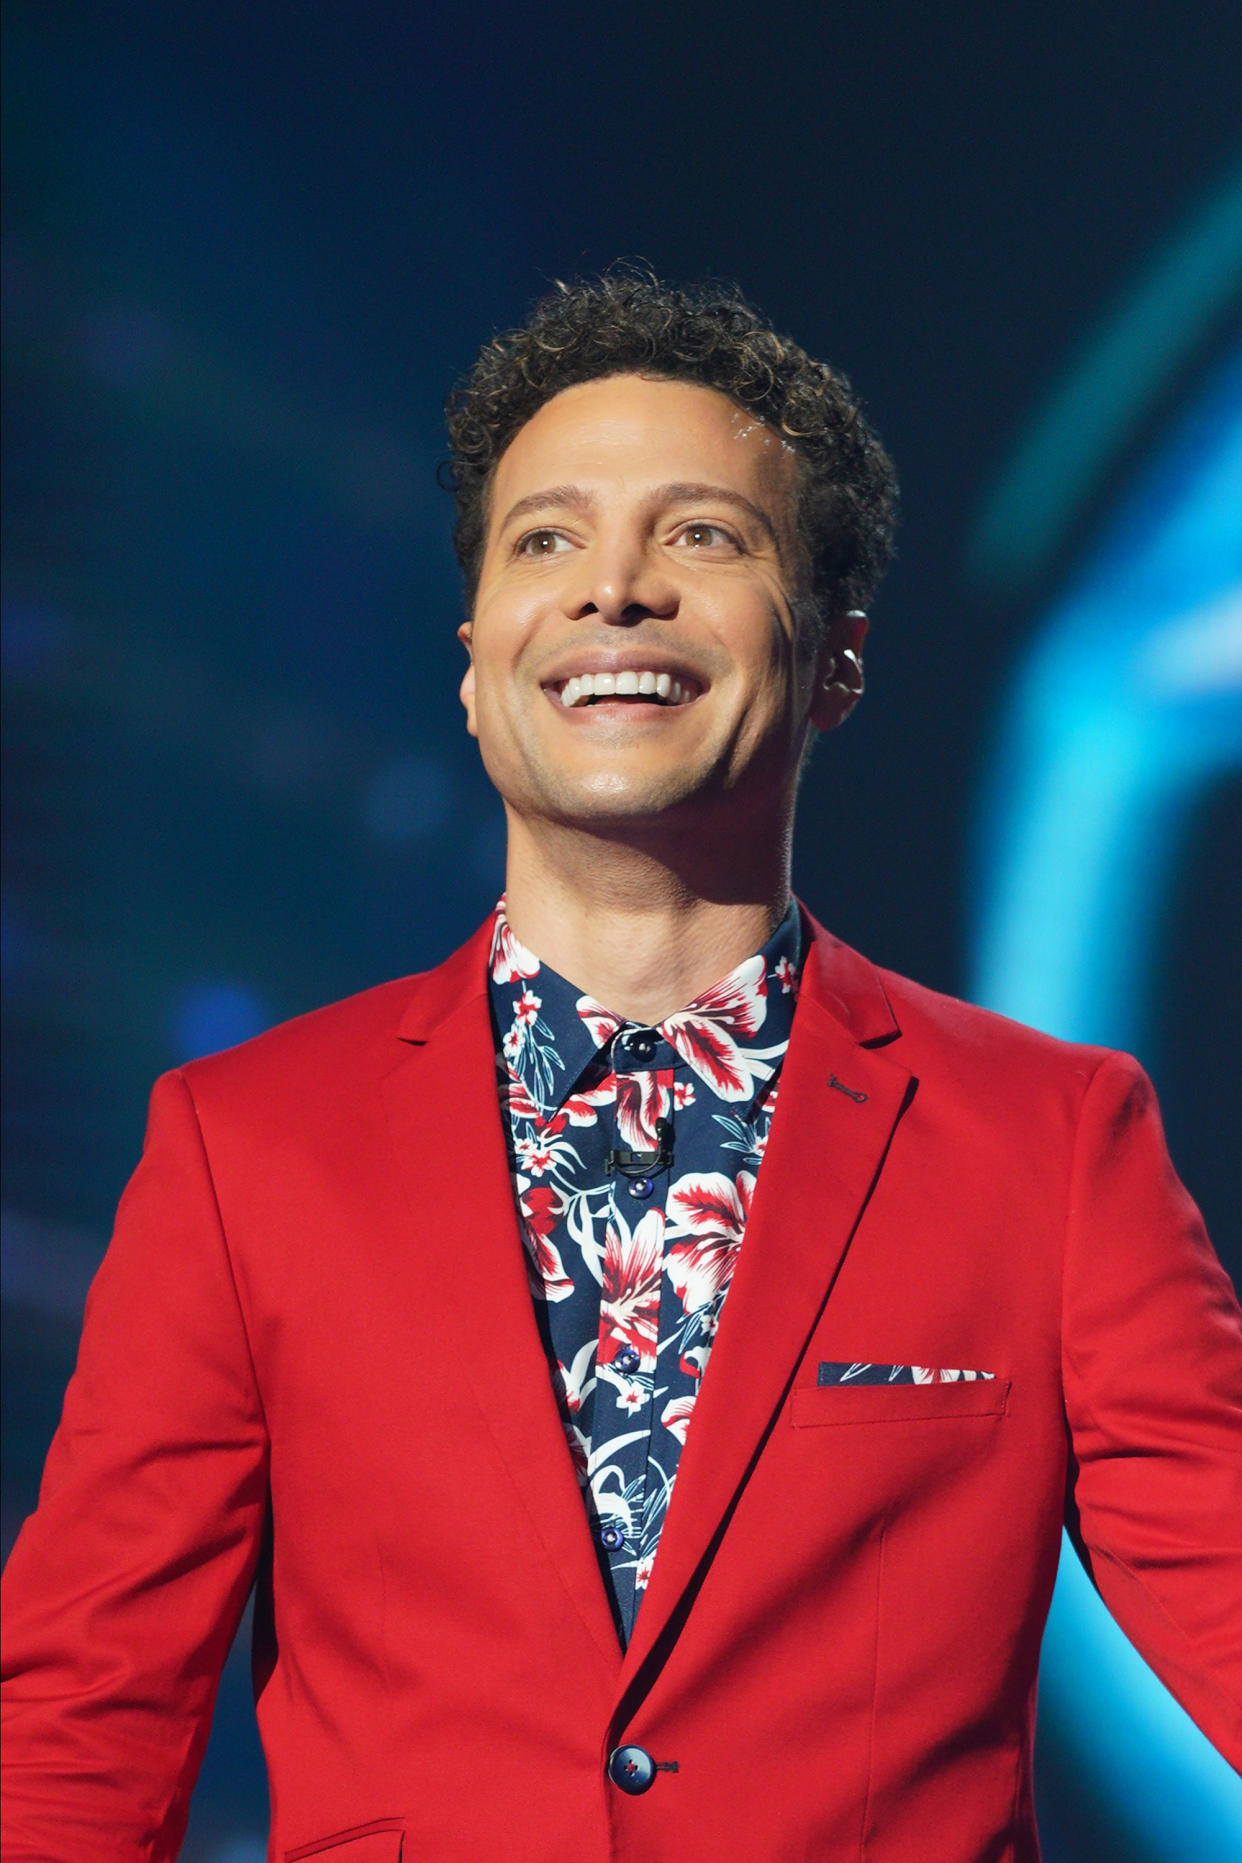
621, 582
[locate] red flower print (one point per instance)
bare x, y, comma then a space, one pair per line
641, 1100
539, 1208
786, 975
571, 1399
642, 1572
706, 1034
509, 959
601, 1022
534, 1155
630, 1294
526, 1007
676, 1416
578, 1379
578, 1448
579, 1108
516, 1097
683, 1093
710, 1211
541, 1205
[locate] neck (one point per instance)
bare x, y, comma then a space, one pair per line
642, 931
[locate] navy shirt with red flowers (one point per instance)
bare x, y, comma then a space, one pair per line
634, 1153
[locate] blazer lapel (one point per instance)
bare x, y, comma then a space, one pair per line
840, 1100
444, 1116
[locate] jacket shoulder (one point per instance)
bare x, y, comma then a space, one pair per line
928, 1028
932, 1020
346, 1040
319, 1038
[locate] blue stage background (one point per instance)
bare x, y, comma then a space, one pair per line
247, 249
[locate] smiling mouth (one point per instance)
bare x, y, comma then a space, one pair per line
649, 688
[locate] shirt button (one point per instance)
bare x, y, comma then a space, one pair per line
611, 1539
642, 1046
632, 1768
641, 1187
627, 1359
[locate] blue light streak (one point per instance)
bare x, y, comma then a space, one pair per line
1128, 706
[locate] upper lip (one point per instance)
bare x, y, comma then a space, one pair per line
627, 660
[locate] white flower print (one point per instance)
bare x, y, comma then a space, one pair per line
632, 1394
676, 1416
535, 1155
630, 1295
641, 1100
576, 1382
706, 1034
710, 1210
526, 1007
510, 960
601, 1022
538, 1211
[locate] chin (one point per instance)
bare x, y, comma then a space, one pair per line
608, 796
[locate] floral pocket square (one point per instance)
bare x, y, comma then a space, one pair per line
833, 1372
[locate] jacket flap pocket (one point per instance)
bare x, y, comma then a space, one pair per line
816, 1405
377, 1842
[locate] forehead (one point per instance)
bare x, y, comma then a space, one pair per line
628, 432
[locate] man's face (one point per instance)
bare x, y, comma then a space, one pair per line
641, 539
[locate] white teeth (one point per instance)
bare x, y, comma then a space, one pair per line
583, 687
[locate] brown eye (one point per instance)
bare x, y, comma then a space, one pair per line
542, 543
704, 536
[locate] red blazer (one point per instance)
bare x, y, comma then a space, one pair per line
311, 1355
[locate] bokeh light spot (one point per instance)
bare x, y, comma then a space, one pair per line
214, 1014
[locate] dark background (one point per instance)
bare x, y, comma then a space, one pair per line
247, 250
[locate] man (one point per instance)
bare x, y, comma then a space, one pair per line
633, 1466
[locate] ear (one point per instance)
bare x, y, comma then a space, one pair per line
838, 670
465, 635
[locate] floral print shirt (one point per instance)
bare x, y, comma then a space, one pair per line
634, 1153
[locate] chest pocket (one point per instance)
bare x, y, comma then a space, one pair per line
828, 1405
380, 1842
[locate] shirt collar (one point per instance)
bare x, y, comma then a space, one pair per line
549, 1032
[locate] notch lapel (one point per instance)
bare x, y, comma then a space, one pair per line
443, 1106
839, 1104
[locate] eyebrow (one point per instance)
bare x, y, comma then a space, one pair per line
679, 492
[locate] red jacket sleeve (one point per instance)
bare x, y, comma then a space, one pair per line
1152, 1345
125, 1587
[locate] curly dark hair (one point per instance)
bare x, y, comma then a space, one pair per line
629, 321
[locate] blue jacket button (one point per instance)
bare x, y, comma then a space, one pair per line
631, 1768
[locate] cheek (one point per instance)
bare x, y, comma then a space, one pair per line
775, 659
502, 632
